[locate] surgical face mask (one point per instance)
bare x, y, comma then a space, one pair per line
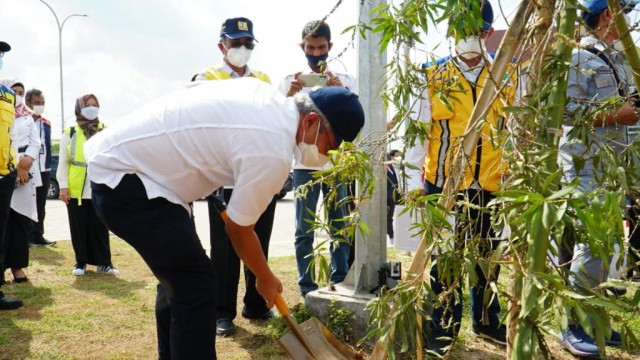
19, 99
239, 56
470, 47
38, 109
310, 155
314, 60
1, 63
90, 112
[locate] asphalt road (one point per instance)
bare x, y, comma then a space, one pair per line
57, 225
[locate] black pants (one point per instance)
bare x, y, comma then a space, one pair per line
391, 207
7, 184
37, 233
16, 241
164, 234
634, 237
89, 236
227, 264
475, 223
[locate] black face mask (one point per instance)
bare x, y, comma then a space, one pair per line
314, 61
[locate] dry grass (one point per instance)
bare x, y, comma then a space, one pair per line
104, 317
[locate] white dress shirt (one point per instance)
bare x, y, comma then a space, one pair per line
27, 134
197, 139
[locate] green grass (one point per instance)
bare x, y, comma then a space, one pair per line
104, 317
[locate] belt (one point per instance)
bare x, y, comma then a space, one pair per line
23, 149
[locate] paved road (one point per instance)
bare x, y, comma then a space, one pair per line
282, 238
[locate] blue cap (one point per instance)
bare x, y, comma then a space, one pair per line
595, 7
4, 47
487, 15
237, 28
342, 109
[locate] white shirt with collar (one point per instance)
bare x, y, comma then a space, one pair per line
197, 139
27, 138
349, 82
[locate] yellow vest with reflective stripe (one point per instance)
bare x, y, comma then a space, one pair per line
215, 73
452, 100
7, 114
78, 165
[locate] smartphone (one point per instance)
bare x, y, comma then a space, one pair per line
311, 80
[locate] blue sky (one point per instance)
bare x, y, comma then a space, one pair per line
128, 52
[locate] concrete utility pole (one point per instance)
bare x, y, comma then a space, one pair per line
371, 250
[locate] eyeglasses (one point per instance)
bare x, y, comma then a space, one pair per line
237, 44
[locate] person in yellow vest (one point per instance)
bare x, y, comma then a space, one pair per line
464, 74
89, 236
8, 166
236, 44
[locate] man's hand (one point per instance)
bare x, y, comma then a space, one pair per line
245, 243
296, 85
333, 80
64, 195
268, 287
23, 169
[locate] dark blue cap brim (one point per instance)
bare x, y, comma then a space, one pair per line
4, 47
240, 35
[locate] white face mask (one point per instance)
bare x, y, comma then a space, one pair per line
310, 155
19, 99
38, 109
239, 56
470, 47
90, 112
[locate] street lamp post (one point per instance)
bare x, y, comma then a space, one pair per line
60, 27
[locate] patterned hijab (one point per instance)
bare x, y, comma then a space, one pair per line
89, 127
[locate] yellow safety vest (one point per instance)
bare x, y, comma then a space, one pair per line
78, 165
7, 114
452, 100
215, 73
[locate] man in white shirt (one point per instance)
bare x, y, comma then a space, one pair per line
147, 168
316, 44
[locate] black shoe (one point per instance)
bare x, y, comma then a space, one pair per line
261, 316
42, 242
615, 339
225, 327
495, 335
8, 303
615, 291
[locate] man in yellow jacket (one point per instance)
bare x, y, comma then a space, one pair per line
453, 85
7, 171
236, 44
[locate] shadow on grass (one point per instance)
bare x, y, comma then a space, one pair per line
259, 346
46, 255
15, 341
108, 285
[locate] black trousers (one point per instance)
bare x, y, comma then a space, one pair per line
37, 233
164, 234
391, 207
7, 184
227, 264
89, 236
634, 237
17, 241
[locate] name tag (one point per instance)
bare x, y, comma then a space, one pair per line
604, 81
604, 71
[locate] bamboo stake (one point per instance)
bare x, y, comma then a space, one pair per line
630, 50
488, 94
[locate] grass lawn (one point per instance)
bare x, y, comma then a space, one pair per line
105, 317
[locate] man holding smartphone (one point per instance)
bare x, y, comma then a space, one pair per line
316, 44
